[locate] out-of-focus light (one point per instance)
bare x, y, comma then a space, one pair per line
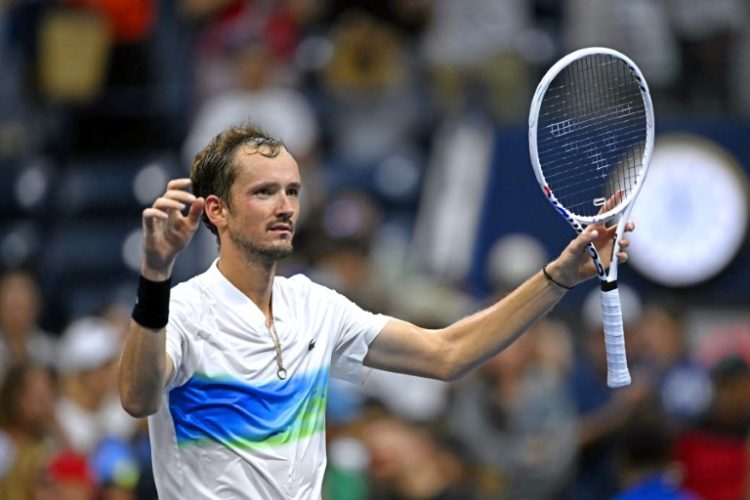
344, 218
535, 46
397, 177
313, 53
132, 249
17, 245
150, 183
31, 186
515, 257
691, 214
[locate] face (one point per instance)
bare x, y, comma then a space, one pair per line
260, 216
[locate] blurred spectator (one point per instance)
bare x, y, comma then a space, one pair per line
739, 72
28, 431
89, 409
16, 115
373, 108
603, 412
639, 28
97, 59
338, 242
21, 338
223, 23
474, 51
644, 461
145, 489
707, 35
346, 473
115, 467
409, 463
130, 21
281, 110
714, 453
516, 419
68, 477
659, 346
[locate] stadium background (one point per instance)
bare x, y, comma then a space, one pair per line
408, 119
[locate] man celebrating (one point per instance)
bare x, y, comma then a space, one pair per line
232, 366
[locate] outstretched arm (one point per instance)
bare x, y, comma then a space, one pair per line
144, 365
453, 351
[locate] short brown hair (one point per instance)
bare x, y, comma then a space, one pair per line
213, 170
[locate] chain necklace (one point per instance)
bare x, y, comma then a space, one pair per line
280, 371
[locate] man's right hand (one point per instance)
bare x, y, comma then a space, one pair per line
166, 230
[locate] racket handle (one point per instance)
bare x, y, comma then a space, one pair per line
614, 339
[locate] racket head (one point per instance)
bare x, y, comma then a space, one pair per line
591, 133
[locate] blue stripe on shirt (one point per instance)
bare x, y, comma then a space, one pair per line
235, 413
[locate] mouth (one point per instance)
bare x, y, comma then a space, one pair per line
282, 229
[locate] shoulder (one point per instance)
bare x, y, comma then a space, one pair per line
301, 283
193, 285
185, 291
185, 297
301, 288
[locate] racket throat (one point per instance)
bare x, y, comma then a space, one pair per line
607, 286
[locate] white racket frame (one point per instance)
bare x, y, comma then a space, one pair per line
618, 374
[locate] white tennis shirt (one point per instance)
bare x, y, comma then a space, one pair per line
228, 427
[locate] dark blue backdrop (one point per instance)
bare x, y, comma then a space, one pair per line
515, 203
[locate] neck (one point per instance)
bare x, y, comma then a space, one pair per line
254, 278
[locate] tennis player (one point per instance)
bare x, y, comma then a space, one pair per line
232, 365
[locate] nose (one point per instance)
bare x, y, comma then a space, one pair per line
285, 207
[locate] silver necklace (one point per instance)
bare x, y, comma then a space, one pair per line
280, 371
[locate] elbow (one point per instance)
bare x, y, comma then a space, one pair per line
450, 368
136, 407
453, 373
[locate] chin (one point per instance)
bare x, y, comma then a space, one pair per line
278, 252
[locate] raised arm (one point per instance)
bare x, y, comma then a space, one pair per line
144, 365
451, 352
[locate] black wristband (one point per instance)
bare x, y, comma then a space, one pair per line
553, 280
152, 303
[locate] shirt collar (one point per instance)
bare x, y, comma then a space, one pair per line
232, 297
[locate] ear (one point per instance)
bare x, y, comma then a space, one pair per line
216, 211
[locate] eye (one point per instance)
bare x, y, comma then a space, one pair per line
293, 191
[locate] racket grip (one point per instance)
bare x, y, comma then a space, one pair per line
614, 339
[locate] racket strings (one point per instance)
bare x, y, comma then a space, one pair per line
563, 160
574, 172
592, 133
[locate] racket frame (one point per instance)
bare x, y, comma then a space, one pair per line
578, 222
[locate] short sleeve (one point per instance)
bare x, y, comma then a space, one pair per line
179, 346
356, 330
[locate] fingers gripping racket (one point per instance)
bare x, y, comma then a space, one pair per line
591, 133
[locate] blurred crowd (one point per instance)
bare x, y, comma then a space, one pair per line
389, 108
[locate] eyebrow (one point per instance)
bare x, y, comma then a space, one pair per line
293, 184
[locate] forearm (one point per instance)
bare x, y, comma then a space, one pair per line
143, 365
478, 337
451, 352
143, 370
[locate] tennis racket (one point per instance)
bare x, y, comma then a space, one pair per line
591, 134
